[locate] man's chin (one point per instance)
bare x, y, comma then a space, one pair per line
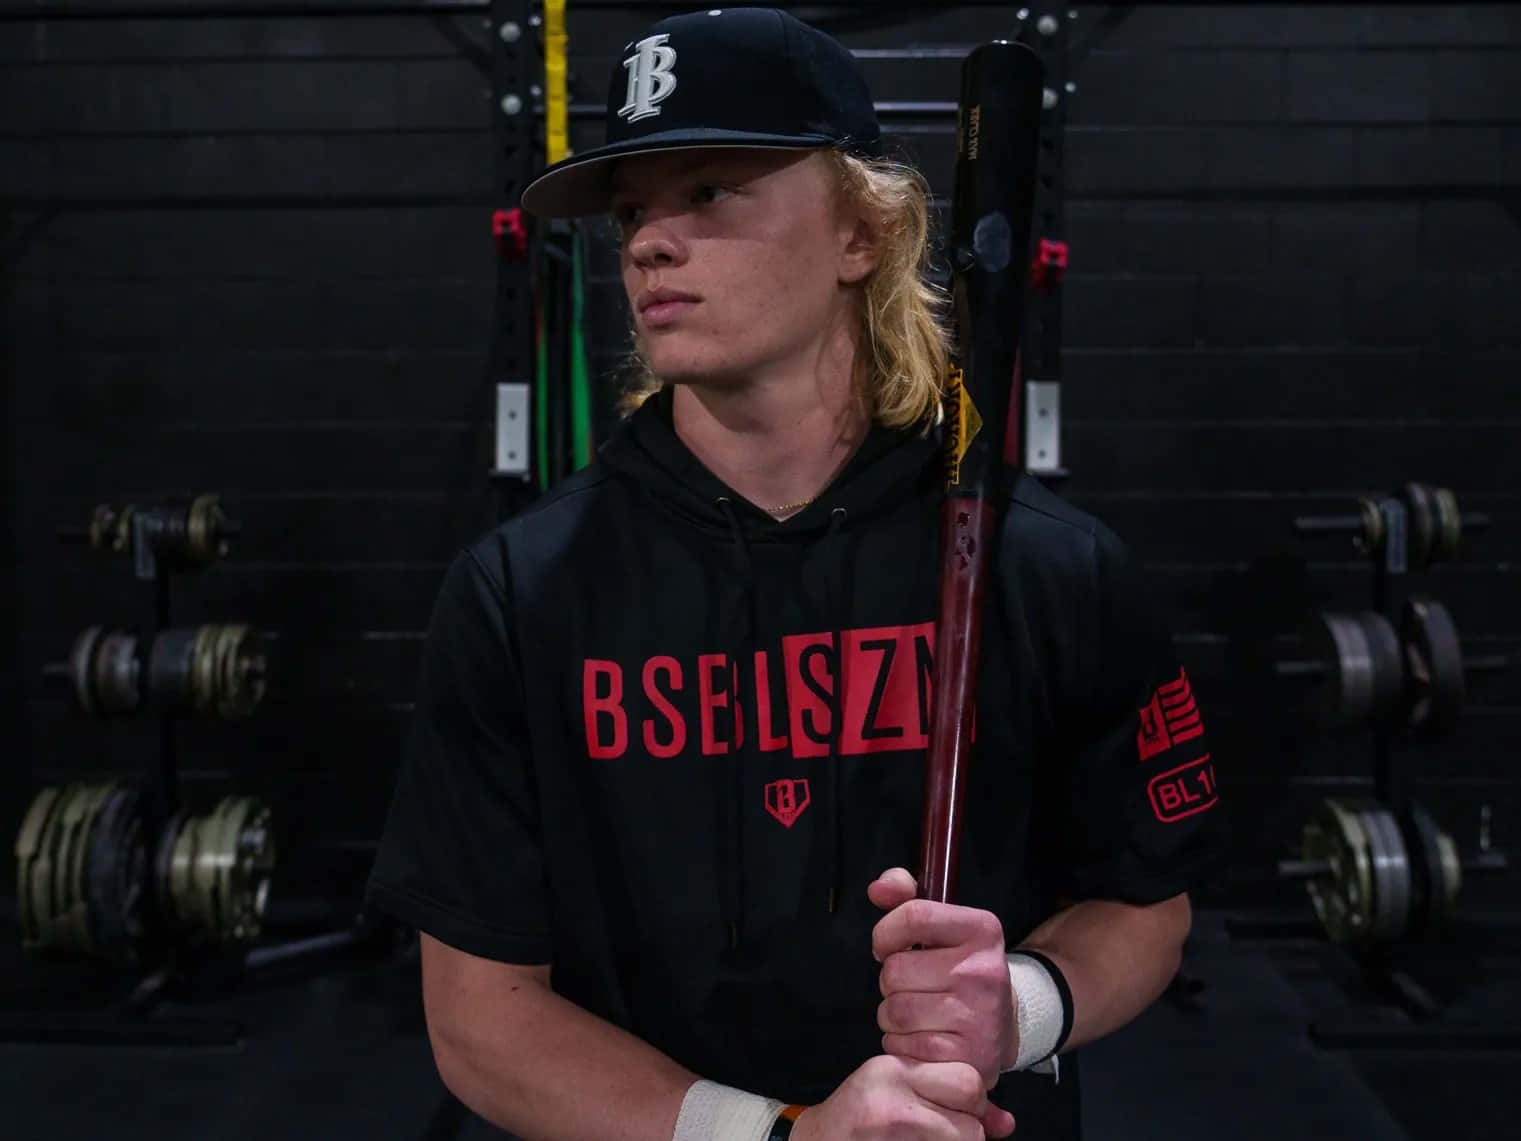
696, 373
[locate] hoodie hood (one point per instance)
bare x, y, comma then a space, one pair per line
887, 465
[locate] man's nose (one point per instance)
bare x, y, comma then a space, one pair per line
654, 243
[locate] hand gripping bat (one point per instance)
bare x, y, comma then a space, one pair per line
998, 129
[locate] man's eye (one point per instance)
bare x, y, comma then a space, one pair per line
706, 195
626, 216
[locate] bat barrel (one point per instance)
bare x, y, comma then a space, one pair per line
991, 216
992, 211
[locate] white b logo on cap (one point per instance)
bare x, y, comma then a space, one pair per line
650, 79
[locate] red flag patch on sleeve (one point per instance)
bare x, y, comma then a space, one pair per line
1170, 718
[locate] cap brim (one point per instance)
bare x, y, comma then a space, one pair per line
582, 184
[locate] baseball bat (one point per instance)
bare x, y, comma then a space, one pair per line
998, 131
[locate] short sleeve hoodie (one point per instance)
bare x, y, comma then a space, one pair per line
663, 742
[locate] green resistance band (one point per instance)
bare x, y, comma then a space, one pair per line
580, 374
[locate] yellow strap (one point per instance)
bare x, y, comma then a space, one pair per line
557, 99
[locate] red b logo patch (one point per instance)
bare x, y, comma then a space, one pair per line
1171, 718
786, 799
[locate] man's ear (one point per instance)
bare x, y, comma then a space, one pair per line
858, 251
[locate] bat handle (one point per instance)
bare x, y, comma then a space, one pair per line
966, 534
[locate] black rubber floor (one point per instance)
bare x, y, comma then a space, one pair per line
341, 1054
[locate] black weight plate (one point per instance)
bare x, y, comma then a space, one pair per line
116, 875
1391, 872
115, 672
81, 667
1419, 835
1387, 665
1434, 661
163, 861
1344, 699
1422, 523
169, 669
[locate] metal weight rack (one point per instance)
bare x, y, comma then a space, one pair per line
1381, 874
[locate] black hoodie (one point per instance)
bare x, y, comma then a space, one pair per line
664, 742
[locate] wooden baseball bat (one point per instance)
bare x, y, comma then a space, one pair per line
998, 131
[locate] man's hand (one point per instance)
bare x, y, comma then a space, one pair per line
949, 1001
894, 1099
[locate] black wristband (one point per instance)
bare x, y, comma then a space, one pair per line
781, 1129
1061, 988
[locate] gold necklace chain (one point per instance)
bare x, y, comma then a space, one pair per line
787, 507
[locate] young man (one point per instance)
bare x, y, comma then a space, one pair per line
661, 800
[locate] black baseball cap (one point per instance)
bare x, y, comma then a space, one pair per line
726, 77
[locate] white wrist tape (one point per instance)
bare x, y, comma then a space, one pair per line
1038, 1009
712, 1112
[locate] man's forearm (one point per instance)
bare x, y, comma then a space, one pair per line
1117, 958
547, 1070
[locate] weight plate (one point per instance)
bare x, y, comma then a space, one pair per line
68, 925
184, 860
1343, 900
1452, 870
102, 529
220, 868
228, 676
80, 673
116, 875
1371, 540
114, 672
49, 884
125, 520
1391, 873
255, 866
1421, 509
204, 529
1386, 666
1449, 525
111, 529
240, 671
1421, 848
203, 683
242, 828
1430, 898
1345, 698
42, 874
163, 871
56, 898
93, 807
1434, 668
170, 665
31, 861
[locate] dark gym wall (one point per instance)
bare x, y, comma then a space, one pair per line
251, 255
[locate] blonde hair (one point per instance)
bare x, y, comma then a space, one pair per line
905, 355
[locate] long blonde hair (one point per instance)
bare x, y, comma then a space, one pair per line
901, 369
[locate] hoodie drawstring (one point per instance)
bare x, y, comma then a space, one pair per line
833, 598
732, 838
